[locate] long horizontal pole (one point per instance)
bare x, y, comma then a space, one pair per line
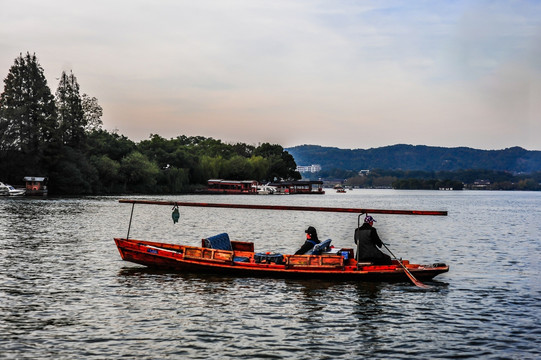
284, 207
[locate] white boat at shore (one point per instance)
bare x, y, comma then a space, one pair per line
8, 190
266, 189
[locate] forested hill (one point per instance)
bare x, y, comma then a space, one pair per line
419, 157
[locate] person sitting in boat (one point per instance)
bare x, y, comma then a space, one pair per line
311, 241
368, 242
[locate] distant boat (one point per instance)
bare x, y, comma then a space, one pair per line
15, 192
36, 185
265, 189
8, 190
339, 188
245, 187
298, 187
220, 186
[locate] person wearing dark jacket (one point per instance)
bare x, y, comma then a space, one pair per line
368, 242
311, 241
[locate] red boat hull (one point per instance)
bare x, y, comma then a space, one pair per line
204, 260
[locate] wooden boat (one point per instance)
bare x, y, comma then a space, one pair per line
218, 254
36, 186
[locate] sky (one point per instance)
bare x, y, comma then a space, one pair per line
349, 74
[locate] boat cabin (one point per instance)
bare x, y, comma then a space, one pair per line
36, 185
299, 187
219, 186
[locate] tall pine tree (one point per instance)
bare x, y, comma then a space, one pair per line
70, 111
27, 113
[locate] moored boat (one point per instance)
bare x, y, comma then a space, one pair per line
15, 192
36, 186
230, 187
8, 190
218, 254
265, 189
4, 191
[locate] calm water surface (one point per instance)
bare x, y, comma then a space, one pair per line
66, 294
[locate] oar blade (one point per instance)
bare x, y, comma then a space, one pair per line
408, 273
417, 282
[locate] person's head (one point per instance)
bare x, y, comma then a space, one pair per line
369, 220
311, 232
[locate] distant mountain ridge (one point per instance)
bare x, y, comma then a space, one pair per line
418, 157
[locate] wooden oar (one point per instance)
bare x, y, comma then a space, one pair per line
285, 207
411, 277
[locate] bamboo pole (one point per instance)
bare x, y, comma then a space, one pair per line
286, 207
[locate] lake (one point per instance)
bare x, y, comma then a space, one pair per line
65, 293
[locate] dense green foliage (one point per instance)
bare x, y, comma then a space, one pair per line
433, 180
432, 184
61, 138
422, 158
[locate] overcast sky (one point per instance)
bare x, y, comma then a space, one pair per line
349, 74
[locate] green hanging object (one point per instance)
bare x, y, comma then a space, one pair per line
175, 215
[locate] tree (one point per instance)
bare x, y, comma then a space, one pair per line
238, 168
71, 172
139, 173
71, 116
102, 142
173, 180
108, 173
260, 167
282, 164
27, 111
209, 168
92, 113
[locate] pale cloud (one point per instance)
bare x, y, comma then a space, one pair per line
340, 73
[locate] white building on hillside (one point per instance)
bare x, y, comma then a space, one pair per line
312, 168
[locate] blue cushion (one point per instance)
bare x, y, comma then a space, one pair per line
322, 246
219, 242
241, 259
